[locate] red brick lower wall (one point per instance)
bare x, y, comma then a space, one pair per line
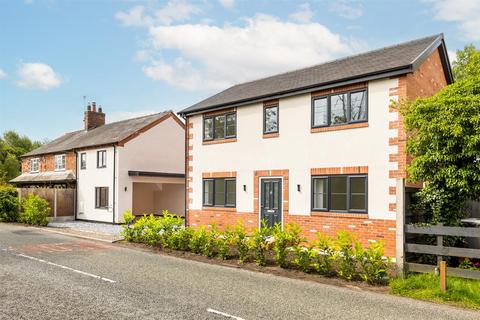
365, 229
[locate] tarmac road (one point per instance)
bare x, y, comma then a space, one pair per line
51, 276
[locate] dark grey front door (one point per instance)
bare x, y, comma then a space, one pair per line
271, 201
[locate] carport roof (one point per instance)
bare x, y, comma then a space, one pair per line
45, 177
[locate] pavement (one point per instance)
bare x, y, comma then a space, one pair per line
51, 276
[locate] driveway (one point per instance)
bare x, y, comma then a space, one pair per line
50, 276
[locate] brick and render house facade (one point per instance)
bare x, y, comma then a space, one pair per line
321, 147
103, 170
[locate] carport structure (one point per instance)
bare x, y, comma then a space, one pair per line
153, 192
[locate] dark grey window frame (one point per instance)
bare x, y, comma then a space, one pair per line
224, 126
98, 195
101, 165
329, 109
213, 192
83, 161
265, 118
349, 193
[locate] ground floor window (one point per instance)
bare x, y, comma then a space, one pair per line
101, 197
340, 193
219, 192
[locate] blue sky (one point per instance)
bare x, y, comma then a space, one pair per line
138, 57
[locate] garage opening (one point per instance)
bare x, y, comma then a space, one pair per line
155, 197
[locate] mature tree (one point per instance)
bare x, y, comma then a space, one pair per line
444, 140
12, 146
467, 63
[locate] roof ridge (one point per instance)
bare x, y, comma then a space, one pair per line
338, 59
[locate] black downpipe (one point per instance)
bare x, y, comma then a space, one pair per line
186, 168
76, 186
114, 162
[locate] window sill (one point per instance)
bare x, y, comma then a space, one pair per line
229, 209
220, 141
340, 127
338, 214
271, 135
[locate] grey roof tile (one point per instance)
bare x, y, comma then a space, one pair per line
107, 134
372, 62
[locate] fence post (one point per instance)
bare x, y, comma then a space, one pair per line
443, 276
55, 203
400, 227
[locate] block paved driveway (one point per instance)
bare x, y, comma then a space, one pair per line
51, 276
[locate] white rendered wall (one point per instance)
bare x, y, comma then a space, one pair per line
88, 179
299, 150
159, 149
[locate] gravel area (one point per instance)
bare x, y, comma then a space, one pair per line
91, 227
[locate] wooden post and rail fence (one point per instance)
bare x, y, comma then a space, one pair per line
440, 250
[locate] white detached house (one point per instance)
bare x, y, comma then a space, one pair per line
136, 164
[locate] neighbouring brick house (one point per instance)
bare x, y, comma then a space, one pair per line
101, 171
321, 147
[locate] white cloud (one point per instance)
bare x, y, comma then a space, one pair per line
3, 74
174, 10
465, 12
37, 76
227, 3
304, 13
452, 55
124, 115
348, 9
215, 57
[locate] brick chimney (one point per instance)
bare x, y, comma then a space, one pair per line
92, 118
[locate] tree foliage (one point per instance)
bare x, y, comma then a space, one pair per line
12, 146
467, 63
444, 140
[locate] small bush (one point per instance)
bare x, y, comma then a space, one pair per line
346, 244
304, 258
260, 242
223, 243
199, 240
36, 210
127, 228
241, 242
9, 204
180, 239
373, 266
284, 239
323, 260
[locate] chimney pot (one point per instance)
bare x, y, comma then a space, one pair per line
93, 119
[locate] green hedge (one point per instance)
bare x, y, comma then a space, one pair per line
342, 256
36, 210
9, 204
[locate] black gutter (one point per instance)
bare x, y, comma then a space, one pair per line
114, 162
133, 173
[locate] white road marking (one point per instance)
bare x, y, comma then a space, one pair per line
64, 267
224, 314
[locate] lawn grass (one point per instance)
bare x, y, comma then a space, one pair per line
460, 292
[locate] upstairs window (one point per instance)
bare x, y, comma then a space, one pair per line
340, 193
102, 159
220, 127
338, 109
83, 161
219, 192
270, 119
34, 165
59, 162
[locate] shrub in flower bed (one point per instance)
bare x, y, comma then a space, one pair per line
342, 256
